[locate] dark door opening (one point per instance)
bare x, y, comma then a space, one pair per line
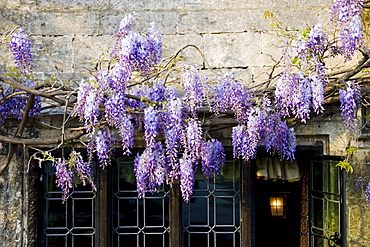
283, 231
278, 231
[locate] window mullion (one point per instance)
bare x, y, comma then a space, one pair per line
175, 216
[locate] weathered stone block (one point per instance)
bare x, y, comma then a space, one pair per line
212, 21
353, 244
173, 43
354, 222
70, 5
303, 18
57, 24
11, 17
364, 243
217, 4
268, 5
233, 49
90, 51
166, 22
366, 226
70, 54
144, 5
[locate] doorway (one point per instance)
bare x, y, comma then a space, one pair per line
292, 228
282, 230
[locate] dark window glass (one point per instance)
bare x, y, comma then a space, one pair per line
72, 223
212, 217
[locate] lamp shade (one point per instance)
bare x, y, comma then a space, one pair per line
277, 204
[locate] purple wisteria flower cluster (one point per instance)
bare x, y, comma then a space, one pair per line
230, 94
13, 100
346, 15
301, 88
150, 169
66, 171
194, 86
63, 177
350, 99
83, 169
103, 142
129, 99
302, 84
213, 158
15, 106
363, 183
21, 48
133, 53
173, 132
264, 128
187, 177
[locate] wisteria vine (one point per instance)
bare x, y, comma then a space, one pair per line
162, 113
131, 101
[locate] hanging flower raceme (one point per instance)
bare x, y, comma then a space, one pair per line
102, 142
15, 105
194, 86
221, 101
318, 82
213, 158
173, 128
350, 98
346, 16
187, 177
123, 30
193, 139
117, 79
150, 169
241, 99
154, 44
63, 177
230, 94
247, 138
89, 99
264, 112
285, 140
253, 137
310, 47
67, 170
83, 169
239, 137
303, 80
135, 51
279, 139
288, 95
150, 125
317, 40
21, 48
115, 114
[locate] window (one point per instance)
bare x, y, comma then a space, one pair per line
211, 218
327, 203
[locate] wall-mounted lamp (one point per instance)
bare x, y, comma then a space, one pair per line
278, 204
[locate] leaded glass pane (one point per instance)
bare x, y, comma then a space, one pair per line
137, 221
212, 216
70, 223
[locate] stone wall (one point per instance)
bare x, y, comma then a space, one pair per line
223, 30
13, 206
230, 34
